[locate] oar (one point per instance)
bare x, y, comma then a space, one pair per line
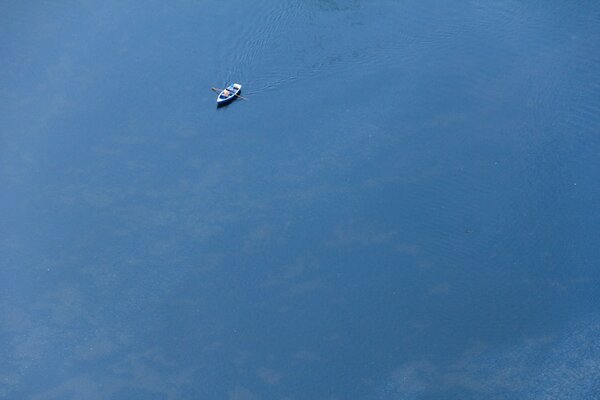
220, 90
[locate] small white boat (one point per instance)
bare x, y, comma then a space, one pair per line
229, 94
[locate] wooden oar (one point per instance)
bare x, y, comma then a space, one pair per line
214, 89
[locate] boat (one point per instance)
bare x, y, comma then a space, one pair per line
229, 94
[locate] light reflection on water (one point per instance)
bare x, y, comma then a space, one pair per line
405, 207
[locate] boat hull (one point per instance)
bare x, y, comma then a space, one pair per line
228, 100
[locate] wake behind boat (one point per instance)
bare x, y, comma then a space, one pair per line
228, 94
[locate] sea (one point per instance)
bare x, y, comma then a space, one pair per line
405, 205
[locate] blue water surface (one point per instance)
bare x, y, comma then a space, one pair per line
405, 207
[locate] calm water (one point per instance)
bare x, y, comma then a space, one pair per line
407, 206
